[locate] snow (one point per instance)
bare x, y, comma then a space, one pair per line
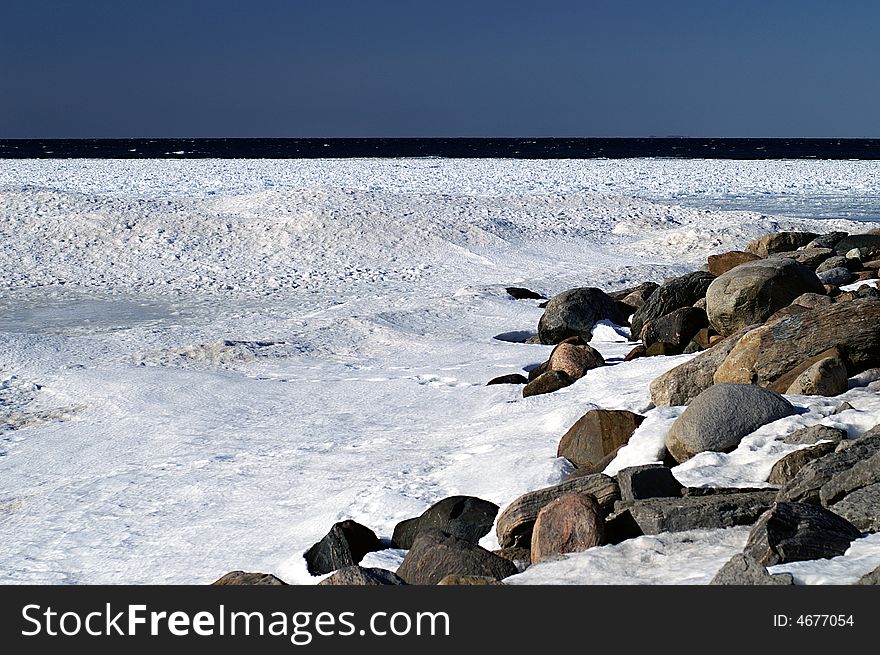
206, 363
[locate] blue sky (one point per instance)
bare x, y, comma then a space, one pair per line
478, 68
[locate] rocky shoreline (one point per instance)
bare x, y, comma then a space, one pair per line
767, 322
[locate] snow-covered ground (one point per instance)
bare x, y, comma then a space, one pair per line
204, 364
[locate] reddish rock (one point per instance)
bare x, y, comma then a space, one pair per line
720, 264
597, 434
570, 524
575, 360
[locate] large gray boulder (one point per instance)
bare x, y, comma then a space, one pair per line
673, 294
769, 352
575, 312
793, 532
829, 478
516, 521
435, 555
752, 292
671, 514
680, 385
721, 416
742, 570
465, 517
862, 508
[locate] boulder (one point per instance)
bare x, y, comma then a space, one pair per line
661, 348
836, 276
597, 434
721, 416
828, 240
779, 242
535, 371
793, 532
635, 353
862, 508
358, 576
809, 257
815, 433
767, 353
245, 578
547, 383
345, 545
522, 557
720, 264
685, 382
812, 300
808, 484
872, 578
465, 517
786, 468
435, 555
572, 523
676, 328
575, 360
515, 523
513, 378
469, 581
868, 245
827, 377
647, 481
752, 292
863, 473
742, 570
673, 294
638, 296
784, 382
575, 312
656, 515
835, 261
520, 293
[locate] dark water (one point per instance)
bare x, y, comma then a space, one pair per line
505, 148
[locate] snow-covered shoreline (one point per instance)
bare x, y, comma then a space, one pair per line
206, 364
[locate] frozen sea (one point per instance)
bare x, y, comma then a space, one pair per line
205, 363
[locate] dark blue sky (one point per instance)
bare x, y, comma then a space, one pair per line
299, 68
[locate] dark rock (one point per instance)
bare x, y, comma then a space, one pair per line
786, 468
861, 508
516, 336
752, 292
673, 294
843, 407
513, 378
828, 240
469, 581
720, 264
345, 545
643, 291
575, 312
779, 242
867, 244
515, 523
661, 349
721, 416
836, 276
572, 523
547, 383
522, 557
358, 576
647, 481
742, 570
793, 532
676, 328
465, 517
685, 382
767, 353
815, 433
597, 434
638, 351
435, 554
837, 261
656, 515
519, 293
692, 347
538, 370
807, 485
863, 473
245, 578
